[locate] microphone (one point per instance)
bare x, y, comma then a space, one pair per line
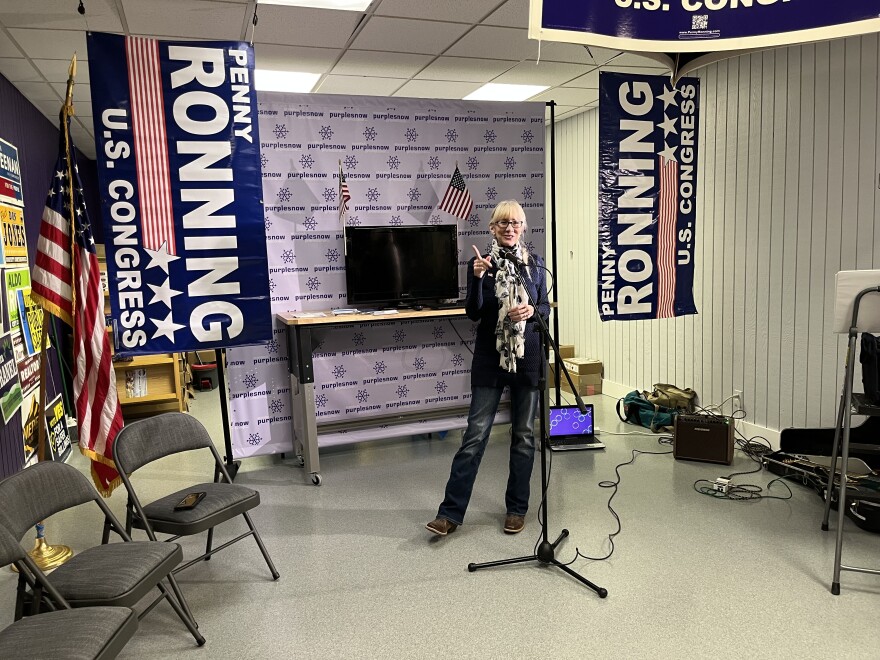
510, 255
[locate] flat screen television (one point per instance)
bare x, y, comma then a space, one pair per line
401, 266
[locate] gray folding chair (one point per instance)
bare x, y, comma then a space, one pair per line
95, 633
147, 440
117, 574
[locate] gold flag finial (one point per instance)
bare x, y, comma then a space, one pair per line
71, 74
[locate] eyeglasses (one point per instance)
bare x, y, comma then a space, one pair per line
504, 224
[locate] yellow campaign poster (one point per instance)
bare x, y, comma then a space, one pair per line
31, 318
14, 241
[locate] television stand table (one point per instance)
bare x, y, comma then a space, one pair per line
302, 376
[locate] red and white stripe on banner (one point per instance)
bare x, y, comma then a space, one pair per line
151, 142
666, 238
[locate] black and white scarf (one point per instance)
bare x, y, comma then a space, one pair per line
509, 336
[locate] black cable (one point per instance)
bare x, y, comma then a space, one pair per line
462, 339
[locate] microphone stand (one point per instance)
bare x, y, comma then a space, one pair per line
546, 551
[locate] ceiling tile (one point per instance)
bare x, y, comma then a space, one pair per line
634, 59
568, 96
49, 108
203, 19
590, 79
401, 35
513, 13
370, 63
651, 71
554, 51
100, 15
499, 43
9, 49
439, 89
362, 85
38, 91
464, 69
295, 58
18, 70
464, 11
51, 44
81, 92
56, 70
600, 56
543, 73
299, 26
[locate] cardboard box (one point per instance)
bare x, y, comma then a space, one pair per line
207, 357
566, 351
583, 366
591, 386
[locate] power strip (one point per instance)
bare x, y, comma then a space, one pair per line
722, 484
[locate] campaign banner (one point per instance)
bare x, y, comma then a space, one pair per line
181, 193
10, 388
14, 239
10, 175
57, 434
648, 135
685, 25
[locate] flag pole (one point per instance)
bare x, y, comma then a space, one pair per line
44, 555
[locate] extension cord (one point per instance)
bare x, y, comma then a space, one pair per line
722, 484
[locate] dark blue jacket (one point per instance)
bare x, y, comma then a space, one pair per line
482, 306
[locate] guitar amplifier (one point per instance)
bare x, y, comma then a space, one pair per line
706, 438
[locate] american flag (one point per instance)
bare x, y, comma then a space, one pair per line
344, 196
66, 281
666, 238
457, 200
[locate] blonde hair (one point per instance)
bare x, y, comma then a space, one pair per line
510, 209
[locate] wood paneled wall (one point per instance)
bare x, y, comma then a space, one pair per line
789, 193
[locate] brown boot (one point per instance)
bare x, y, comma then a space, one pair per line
441, 526
514, 524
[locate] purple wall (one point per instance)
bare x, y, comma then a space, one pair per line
37, 141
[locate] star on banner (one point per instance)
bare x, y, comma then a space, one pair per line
166, 327
160, 257
668, 97
668, 126
668, 153
164, 293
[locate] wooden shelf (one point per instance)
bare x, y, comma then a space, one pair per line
146, 360
150, 398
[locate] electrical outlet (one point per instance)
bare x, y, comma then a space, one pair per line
737, 400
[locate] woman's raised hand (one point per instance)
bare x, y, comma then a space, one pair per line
481, 265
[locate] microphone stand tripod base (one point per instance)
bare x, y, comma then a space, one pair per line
47, 557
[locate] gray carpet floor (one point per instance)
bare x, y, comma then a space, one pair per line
690, 576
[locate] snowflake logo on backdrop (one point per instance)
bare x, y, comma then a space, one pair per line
326, 132
284, 195
474, 220
272, 285
527, 192
310, 223
402, 391
332, 255
396, 221
457, 360
399, 335
472, 163
313, 283
250, 381
414, 194
272, 346
438, 332
287, 256
393, 162
350, 163
530, 247
435, 220
510, 162
280, 131
320, 400
490, 136
354, 221
379, 367
338, 371
527, 137
254, 439
419, 363
362, 396
329, 194
264, 160
276, 406
434, 163
268, 224
411, 135
451, 135
306, 161
491, 193
373, 194
358, 338
440, 387
370, 133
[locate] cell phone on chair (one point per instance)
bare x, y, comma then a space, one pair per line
190, 501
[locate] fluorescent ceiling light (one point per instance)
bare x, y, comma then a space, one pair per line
284, 81
502, 92
347, 5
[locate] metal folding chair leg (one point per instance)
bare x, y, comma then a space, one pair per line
275, 573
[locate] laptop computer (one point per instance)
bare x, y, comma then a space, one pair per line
571, 429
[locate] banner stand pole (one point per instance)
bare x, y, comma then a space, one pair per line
231, 464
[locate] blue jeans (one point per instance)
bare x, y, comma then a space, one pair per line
484, 404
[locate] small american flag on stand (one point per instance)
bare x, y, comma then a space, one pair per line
66, 281
344, 196
457, 200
